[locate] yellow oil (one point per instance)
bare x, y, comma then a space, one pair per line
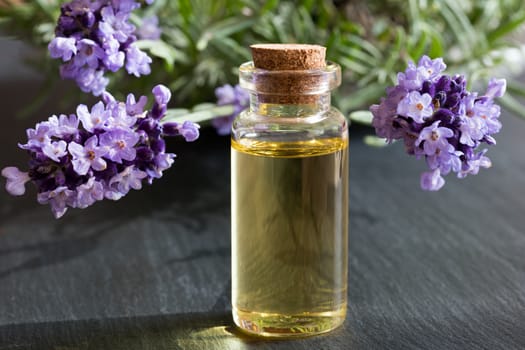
289, 236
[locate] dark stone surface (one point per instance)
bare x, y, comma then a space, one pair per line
439, 270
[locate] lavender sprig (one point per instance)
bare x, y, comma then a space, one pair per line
438, 119
104, 152
94, 37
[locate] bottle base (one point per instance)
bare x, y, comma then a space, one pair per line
287, 326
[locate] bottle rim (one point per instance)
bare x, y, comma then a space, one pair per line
290, 82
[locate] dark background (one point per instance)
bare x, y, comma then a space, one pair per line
439, 270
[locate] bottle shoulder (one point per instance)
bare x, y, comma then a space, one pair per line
328, 124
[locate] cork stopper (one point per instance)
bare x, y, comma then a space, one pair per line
291, 63
288, 56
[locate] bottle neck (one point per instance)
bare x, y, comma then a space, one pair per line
299, 106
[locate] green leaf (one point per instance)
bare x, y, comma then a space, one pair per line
160, 49
201, 115
419, 48
436, 40
375, 141
354, 66
365, 45
454, 14
506, 28
223, 29
231, 49
362, 96
361, 117
355, 53
516, 87
203, 106
176, 113
269, 6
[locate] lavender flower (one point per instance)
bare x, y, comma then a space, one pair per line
63, 48
100, 153
438, 119
55, 150
120, 144
16, 180
94, 120
94, 37
87, 156
59, 199
137, 62
416, 105
229, 95
188, 130
434, 139
149, 28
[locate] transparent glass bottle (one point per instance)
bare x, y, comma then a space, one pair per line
289, 204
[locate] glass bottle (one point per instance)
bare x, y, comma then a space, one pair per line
289, 195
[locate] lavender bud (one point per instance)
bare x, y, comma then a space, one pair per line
145, 154
452, 100
158, 145
443, 84
170, 129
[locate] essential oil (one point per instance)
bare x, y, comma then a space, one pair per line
289, 199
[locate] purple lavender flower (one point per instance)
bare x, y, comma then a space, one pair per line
417, 106
88, 53
161, 162
137, 61
119, 116
37, 137
16, 180
127, 5
432, 180
59, 199
426, 70
387, 111
113, 58
162, 95
229, 95
445, 161
439, 120
431, 68
94, 120
149, 29
94, 37
104, 152
55, 150
471, 131
114, 23
496, 88
87, 156
433, 138
89, 192
411, 79
90, 80
120, 144
129, 178
63, 48
133, 107
62, 125
474, 163
188, 130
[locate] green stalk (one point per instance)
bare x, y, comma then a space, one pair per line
201, 115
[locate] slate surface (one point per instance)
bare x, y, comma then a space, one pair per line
427, 270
